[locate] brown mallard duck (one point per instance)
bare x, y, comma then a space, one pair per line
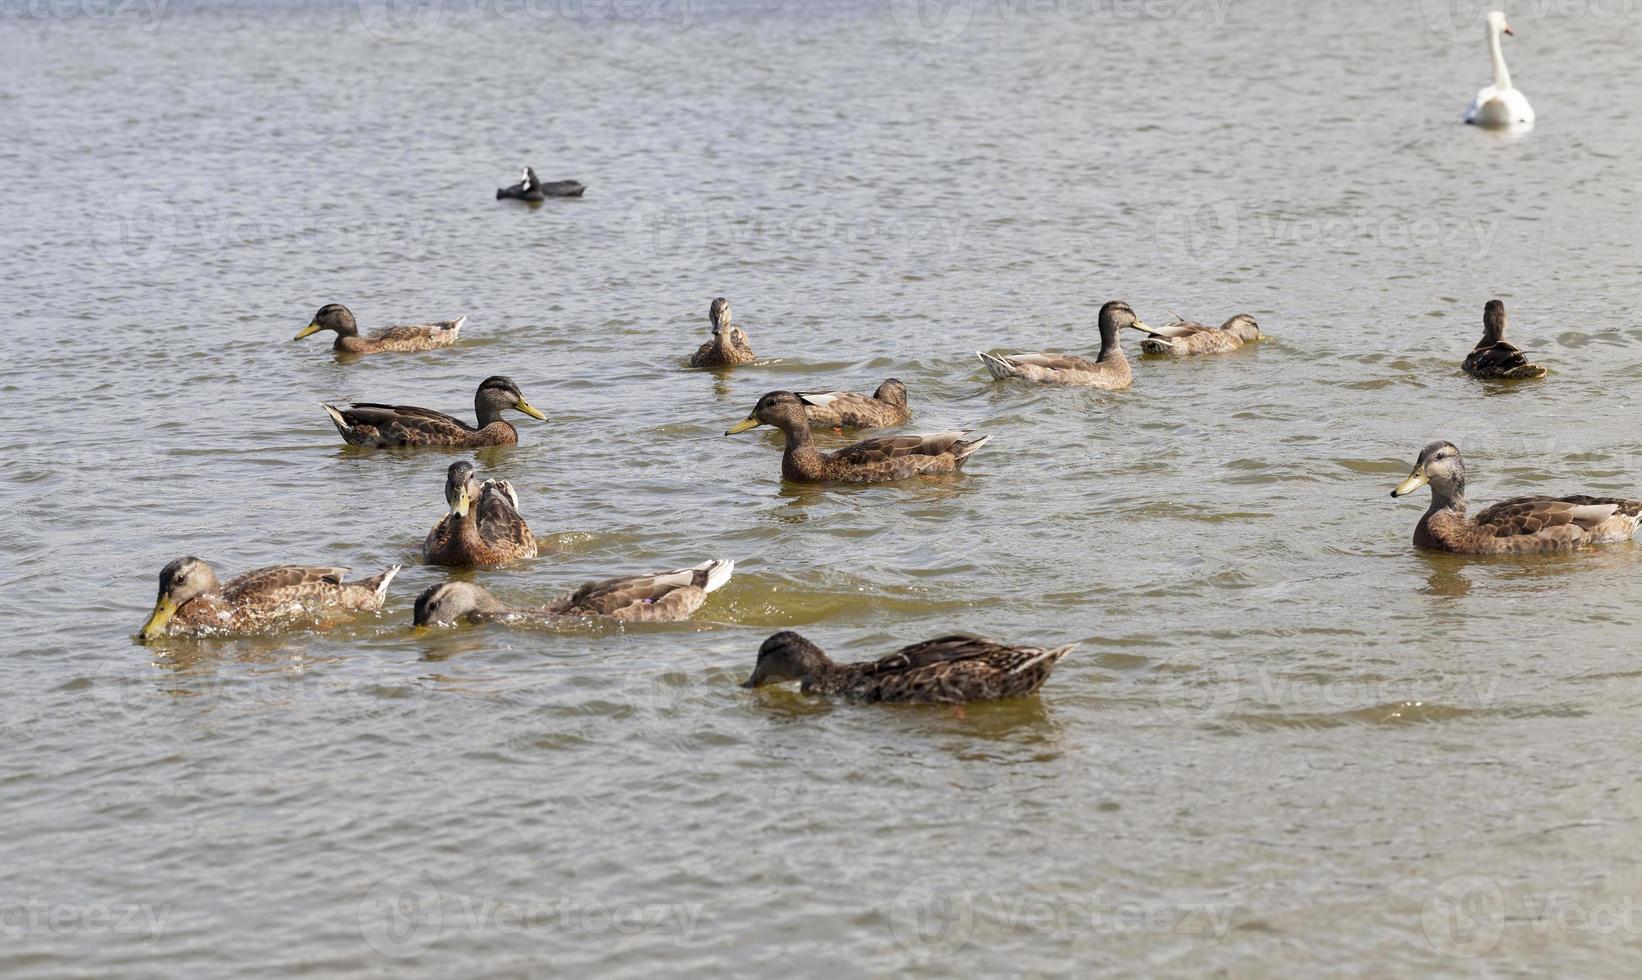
1186, 337
878, 460
530, 189
410, 337
1109, 370
1517, 526
1496, 357
729, 344
483, 526
948, 670
389, 426
191, 603
665, 597
851, 410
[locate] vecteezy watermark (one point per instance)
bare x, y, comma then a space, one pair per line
1463, 20
144, 14
38, 917
1220, 685
144, 231
941, 21
1208, 230
413, 20
403, 915
682, 222
1466, 915
934, 917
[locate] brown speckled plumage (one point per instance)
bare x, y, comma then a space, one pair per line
1496, 357
1109, 370
1520, 525
665, 597
852, 410
409, 337
729, 344
484, 526
403, 426
947, 670
1185, 337
192, 603
878, 460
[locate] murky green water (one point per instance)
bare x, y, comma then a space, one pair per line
1286, 743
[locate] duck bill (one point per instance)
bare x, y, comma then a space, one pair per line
742, 426
164, 609
459, 506
1141, 326
307, 331
1416, 480
529, 409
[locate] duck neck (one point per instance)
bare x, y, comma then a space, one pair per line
486, 411
1496, 54
1110, 349
1447, 500
824, 675
799, 459
467, 527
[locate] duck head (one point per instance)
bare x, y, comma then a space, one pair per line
787, 656
497, 393
718, 314
1440, 466
331, 316
180, 581
448, 602
782, 409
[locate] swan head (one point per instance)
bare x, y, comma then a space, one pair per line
1497, 24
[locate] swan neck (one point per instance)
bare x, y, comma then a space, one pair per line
1502, 75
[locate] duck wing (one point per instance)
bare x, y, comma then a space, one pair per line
1543, 516
886, 448
282, 583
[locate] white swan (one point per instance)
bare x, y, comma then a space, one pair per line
1499, 104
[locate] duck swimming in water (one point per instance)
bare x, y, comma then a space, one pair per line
852, 410
729, 344
410, 337
484, 526
404, 426
1496, 357
530, 189
1521, 525
192, 603
947, 670
666, 597
1109, 370
880, 460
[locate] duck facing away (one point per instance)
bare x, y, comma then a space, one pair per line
192, 603
1185, 337
948, 670
879, 460
665, 597
1494, 356
851, 410
1520, 525
390, 426
1499, 104
483, 526
409, 337
1109, 370
729, 344
530, 189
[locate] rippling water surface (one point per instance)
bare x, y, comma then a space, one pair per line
1286, 742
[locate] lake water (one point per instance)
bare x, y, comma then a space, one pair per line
1287, 742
